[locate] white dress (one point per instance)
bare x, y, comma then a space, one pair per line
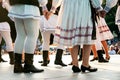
74, 22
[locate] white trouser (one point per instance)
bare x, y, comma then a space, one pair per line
46, 40
7, 38
27, 35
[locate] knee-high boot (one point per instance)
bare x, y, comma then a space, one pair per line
28, 66
11, 56
58, 59
18, 63
100, 56
1, 59
45, 57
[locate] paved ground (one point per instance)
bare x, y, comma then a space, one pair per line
106, 71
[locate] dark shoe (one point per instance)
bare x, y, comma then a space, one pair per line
107, 58
90, 69
100, 57
58, 58
103, 61
60, 63
18, 63
42, 61
18, 68
2, 60
76, 69
95, 58
44, 64
70, 63
29, 67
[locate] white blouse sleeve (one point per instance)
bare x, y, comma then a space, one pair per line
101, 1
5, 4
110, 4
55, 4
97, 4
42, 2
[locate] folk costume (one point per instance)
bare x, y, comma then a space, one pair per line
48, 27
5, 23
26, 15
76, 26
74, 30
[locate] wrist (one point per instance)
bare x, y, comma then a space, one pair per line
44, 8
107, 9
53, 9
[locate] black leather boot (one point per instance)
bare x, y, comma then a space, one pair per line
45, 57
58, 59
11, 56
100, 57
28, 66
18, 63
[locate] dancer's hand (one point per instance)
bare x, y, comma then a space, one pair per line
102, 13
49, 14
45, 12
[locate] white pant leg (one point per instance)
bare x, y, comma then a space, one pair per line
32, 32
8, 40
21, 36
46, 39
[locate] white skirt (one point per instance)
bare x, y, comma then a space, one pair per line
24, 11
103, 30
102, 33
48, 25
74, 23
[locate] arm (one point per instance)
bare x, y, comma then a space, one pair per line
97, 5
110, 4
43, 3
55, 4
6, 5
